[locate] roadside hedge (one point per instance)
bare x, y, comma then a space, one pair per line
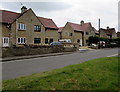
108, 41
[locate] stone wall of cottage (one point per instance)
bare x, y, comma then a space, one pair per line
114, 35
52, 34
1, 40
78, 36
87, 33
103, 34
66, 33
30, 20
5, 31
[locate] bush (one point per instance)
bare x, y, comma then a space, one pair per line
107, 40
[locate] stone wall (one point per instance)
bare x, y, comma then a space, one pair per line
24, 51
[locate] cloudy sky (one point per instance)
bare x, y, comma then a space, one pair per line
62, 11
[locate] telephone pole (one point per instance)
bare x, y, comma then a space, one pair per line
99, 31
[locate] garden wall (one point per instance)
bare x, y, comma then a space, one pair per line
24, 51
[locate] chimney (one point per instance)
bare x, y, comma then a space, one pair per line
82, 22
23, 9
108, 27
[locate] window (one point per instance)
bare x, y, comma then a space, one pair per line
71, 34
5, 41
46, 40
37, 40
37, 28
21, 26
87, 33
78, 40
21, 41
51, 40
86, 41
66, 33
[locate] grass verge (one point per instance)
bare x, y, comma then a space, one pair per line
97, 74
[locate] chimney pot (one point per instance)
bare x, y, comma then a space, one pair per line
23, 9
82, 22
108, 27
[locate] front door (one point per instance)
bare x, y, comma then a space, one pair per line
5, 41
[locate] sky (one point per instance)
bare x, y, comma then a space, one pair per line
63, 11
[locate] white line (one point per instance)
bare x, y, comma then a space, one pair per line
112, 55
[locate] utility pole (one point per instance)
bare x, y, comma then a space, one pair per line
99, 31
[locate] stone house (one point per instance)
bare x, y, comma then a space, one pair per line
26, 28
77, 33
108, 33
96, 32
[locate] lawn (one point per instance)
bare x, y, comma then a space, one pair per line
97, 74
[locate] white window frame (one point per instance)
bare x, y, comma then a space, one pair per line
5, 43
22, 40
21, 26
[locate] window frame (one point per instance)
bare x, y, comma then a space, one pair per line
37, 28
51, 40
21, 26
71, 34
21, 40
38, 39
47, 41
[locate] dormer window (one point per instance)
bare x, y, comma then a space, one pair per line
21, 26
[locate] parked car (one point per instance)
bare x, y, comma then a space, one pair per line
65, 41
94, 46
55, 43
102, 44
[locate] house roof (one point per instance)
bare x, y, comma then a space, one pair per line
76, 27
48, 23
109, 31
79, 27
97, 32
9, 17
60, 29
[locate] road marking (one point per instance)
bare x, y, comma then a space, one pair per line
112, 55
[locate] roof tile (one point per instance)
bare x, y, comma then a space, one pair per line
9, 17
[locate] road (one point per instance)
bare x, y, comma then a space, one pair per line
18, 68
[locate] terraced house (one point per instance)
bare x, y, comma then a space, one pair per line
77, 33
26, 28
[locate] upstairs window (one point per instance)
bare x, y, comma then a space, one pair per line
21, 41
37, 28
71, 34
67, 33
21, 26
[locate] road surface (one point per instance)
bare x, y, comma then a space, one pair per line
18, 68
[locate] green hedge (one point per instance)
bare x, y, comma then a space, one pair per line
96, 39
